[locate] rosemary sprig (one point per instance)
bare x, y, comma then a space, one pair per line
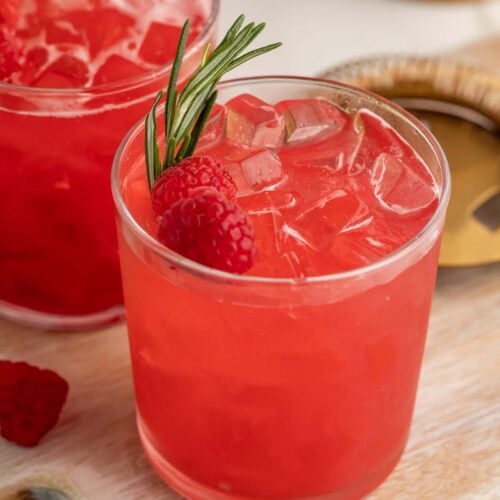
186, 113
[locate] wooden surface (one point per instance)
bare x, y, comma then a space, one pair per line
454, 448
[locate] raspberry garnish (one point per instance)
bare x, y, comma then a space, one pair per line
209, 229
10, 52
31, 400
179, 181
194, 195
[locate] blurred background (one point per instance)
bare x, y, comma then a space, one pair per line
320, 33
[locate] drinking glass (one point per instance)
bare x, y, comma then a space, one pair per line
59, 264
260, 387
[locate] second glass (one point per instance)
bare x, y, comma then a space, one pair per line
58, 252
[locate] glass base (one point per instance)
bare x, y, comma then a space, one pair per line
47, 321
188, 488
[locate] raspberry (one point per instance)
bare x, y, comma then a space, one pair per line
209, 229
31, 400
197, 171
10, 52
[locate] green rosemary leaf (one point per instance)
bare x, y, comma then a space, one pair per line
200, 124
170, 155
205, 55
151, 143
214, 67
169, 122
255, 32
250, 55
174, 76
186, 113
191, 114
189, 106
214, 64
182, 151
233, 30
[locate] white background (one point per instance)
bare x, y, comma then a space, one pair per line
320, 33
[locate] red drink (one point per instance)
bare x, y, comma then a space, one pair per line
89, 72
298, 380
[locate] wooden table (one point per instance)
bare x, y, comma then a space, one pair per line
454, 450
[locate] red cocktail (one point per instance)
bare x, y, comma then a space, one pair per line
297, 380
85, 72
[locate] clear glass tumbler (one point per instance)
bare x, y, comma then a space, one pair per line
253, 387
59, 264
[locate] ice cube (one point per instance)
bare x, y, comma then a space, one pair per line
310, 184
253, 123
398, 188
31, 26
280, 252
60, 31
302, 263
353, 250
232, 156
331, 152
263, 169
295, 236
300, 257
380, 237
358, 159
274, 238
268, 225
160, 43
266, 201
340, 211
106, 27
308, 119
239, 178
65, 72
376, 137
36, 58
116, 68
214, 128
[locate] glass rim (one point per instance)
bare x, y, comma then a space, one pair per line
205, 272
126, 83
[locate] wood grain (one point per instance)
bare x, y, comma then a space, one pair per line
454, 449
